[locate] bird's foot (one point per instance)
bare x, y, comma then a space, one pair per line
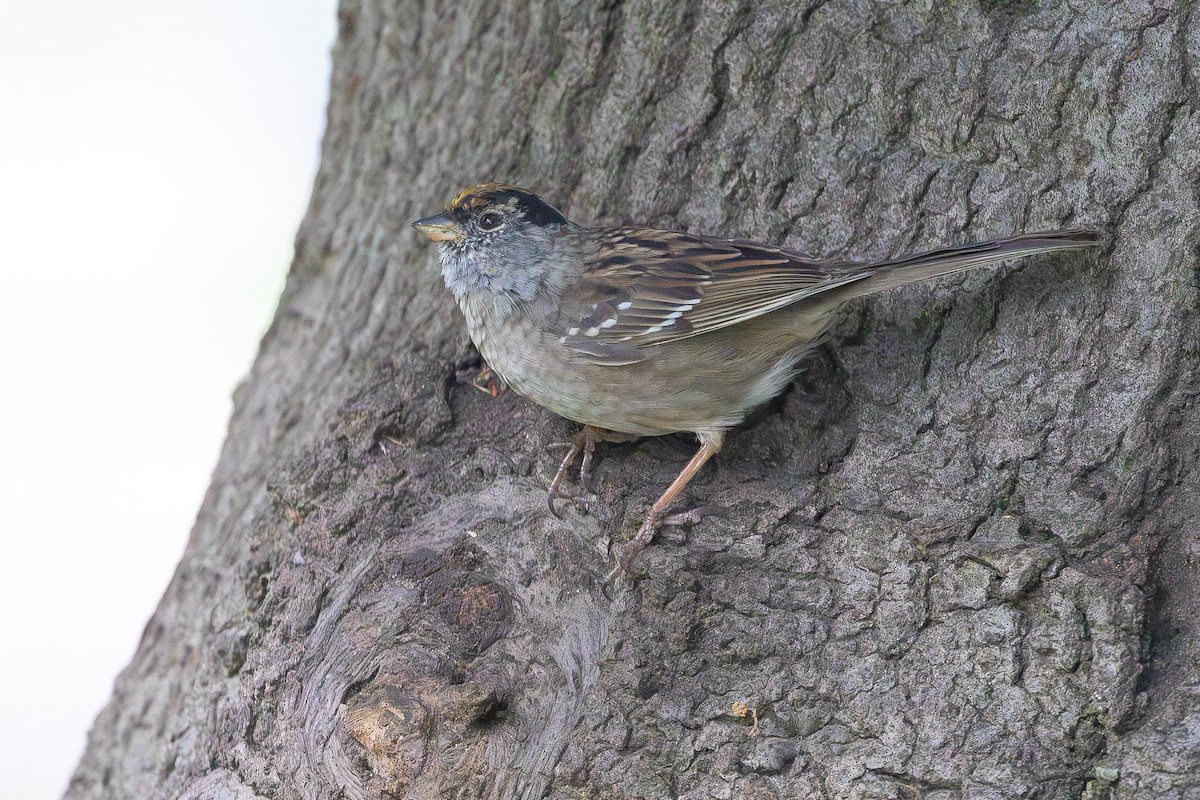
651, 525
584, 443
488, 382
709, 445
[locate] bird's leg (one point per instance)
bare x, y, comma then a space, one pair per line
710, 444
584, 443
589, 449
552, 493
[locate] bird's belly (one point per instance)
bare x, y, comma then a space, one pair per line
704, 383
545, 373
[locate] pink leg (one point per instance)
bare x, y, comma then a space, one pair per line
709, 445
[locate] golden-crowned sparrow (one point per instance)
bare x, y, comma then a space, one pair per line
636, 331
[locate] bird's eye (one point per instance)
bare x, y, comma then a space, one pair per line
489, 221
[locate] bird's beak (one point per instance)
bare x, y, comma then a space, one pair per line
440, 228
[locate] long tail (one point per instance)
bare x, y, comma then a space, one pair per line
923, 266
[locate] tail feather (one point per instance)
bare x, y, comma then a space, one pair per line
935, 263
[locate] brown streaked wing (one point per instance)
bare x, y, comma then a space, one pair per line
654, 287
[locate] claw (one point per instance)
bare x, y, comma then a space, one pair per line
689, 517
488, 382
555, 494
645, 535
550, 498
555, 491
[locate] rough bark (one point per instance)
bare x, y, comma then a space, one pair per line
955, 560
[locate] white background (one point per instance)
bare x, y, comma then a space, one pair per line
155, 161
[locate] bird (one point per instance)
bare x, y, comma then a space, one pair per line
636, 331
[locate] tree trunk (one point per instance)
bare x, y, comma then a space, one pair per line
955, 560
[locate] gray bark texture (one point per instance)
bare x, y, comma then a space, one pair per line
956, 559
